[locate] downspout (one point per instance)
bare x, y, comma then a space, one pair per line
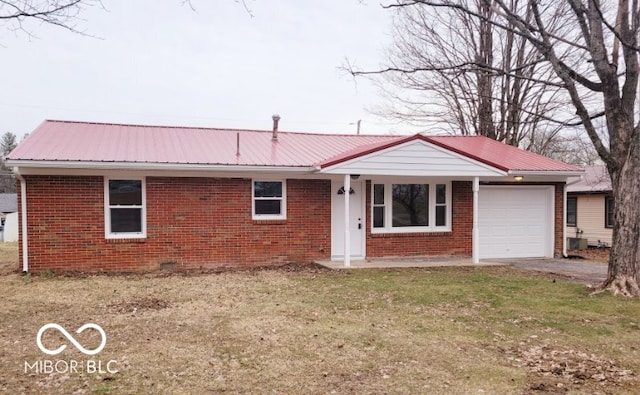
475, 247
23, 220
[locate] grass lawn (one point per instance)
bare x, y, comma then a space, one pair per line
491, 330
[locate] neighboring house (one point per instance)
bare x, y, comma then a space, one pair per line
8, 204
9, 216
107, 197
590, 207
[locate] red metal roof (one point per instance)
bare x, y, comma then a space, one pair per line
500, 155
67, 141
97, 142
595, 179
483, 149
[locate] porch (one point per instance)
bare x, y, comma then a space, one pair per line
581, 271
403, 262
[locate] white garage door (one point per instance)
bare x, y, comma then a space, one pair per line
515, 222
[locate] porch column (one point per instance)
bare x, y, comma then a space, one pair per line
564, 220
347, 232
475, 232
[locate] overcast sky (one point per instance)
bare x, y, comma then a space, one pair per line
159, 62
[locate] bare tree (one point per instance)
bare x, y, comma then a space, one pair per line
15, 15
8, 142
460, 71
593, 54
569, 147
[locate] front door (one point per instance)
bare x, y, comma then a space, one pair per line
356, 220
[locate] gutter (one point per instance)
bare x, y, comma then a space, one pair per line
23, 219
562, 173
54, 164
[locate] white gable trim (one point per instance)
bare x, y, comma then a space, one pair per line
415, 158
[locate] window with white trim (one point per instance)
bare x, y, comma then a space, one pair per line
399, 208
125, 208
609, 212
269, 199
441, 205
572, 211
378, 206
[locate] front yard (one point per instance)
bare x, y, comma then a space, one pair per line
492, 330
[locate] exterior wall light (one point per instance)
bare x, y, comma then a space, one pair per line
518, 178
341, 191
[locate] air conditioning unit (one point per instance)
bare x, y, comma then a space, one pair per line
576, 243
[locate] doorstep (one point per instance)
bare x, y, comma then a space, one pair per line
397, 262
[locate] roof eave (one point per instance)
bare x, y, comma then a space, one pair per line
48, 164
590, 191
560, 173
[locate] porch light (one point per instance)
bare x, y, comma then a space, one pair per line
341, 191
518, 178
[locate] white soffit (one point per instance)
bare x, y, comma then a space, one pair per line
415, 158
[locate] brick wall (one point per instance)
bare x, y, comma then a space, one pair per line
456, 242
205, 223
192, 223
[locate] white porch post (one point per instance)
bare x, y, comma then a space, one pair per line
475, 232
564, 220
347, 232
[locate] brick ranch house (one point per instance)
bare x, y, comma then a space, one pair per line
116, 198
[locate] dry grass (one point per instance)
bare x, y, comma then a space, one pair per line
490, 330
8, 258
592, 254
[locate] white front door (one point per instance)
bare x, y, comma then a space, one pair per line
356, 220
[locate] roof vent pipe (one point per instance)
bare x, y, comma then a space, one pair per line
276, 119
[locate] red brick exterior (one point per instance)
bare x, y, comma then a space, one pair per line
191, 222
456, 242
205, 223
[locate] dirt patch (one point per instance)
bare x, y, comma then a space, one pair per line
591, 254
138, 305
301, 267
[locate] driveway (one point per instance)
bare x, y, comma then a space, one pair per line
585, 271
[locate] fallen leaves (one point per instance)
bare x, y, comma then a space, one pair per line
572, 364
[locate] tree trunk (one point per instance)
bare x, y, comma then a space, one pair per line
484, 58
624, 275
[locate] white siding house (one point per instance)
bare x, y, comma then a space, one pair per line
587, 207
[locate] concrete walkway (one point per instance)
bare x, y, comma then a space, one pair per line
394, 262
579, 270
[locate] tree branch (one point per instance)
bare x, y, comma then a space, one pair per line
460, 68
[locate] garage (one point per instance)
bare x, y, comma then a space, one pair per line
515, 222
